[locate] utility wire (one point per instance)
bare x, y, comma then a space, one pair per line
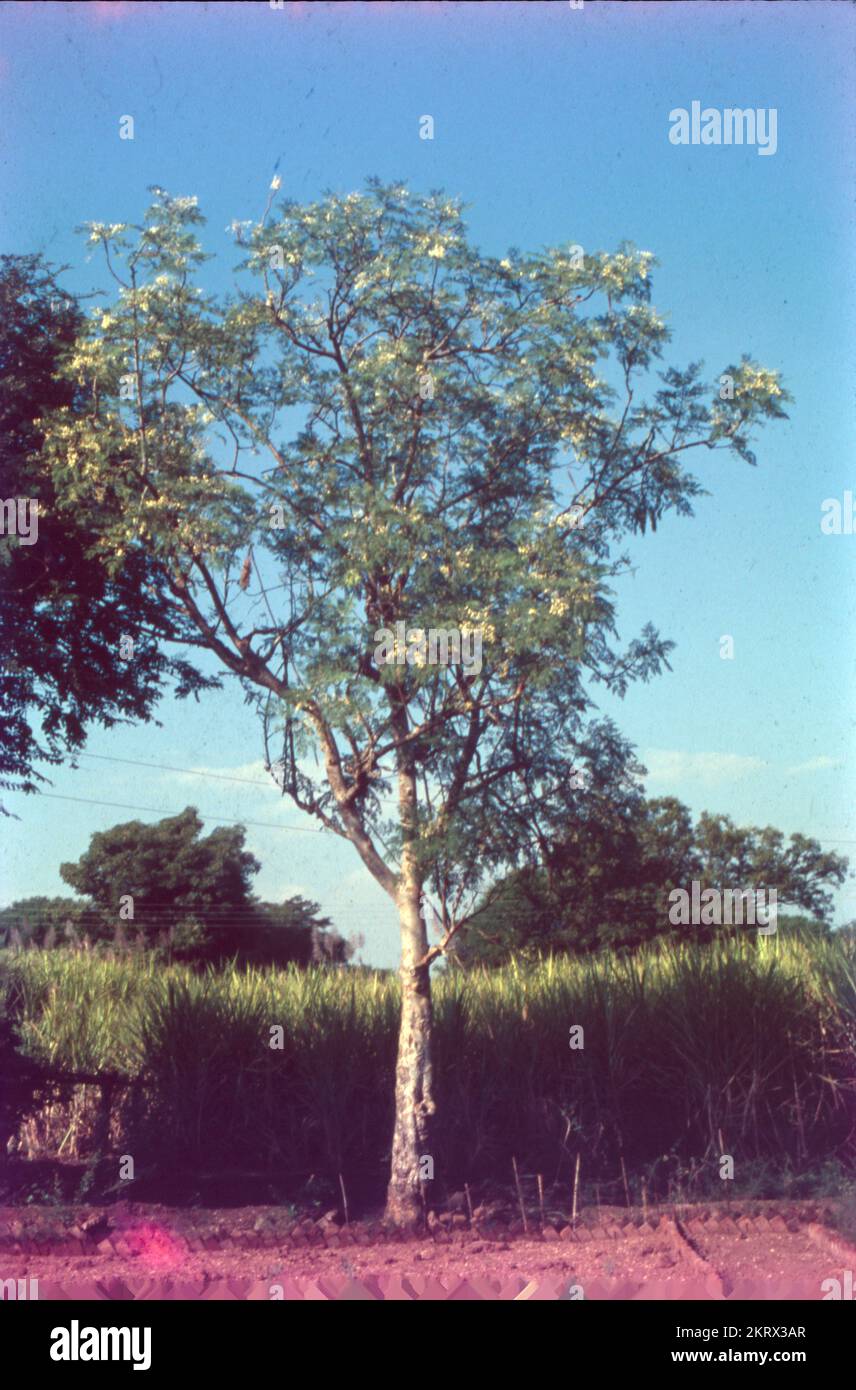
167, 767
256, 782
158, 811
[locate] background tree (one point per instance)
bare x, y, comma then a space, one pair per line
395, 428
191, 898
294, 931
606, 882
174, 875
800, 870
62, 616
45, 922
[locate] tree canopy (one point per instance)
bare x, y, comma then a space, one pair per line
385, 431
169, 886
432, 393
63, 616
166, 887
169, 869
606, 880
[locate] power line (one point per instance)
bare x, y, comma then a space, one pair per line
256, 782
194, 772
217, 776
158, 811
166, 767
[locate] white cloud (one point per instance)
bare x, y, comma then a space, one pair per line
816, 764
287, 890
672, 766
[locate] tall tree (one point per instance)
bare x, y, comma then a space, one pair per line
170, 886
166, 874
752, 856
606, 881
395, 429
65, 622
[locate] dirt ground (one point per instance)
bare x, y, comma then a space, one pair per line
136, 1251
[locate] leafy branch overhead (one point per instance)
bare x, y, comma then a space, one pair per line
64, 615
386, 425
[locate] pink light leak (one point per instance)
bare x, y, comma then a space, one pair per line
156, 1248
104, 11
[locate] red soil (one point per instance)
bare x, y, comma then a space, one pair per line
133, 1251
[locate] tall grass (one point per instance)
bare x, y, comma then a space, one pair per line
743, 1047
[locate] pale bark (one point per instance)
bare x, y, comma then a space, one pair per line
414, 1099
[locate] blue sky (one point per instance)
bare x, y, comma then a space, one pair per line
553, 125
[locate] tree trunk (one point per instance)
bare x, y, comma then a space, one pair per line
414, 1099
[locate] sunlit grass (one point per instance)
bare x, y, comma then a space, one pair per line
745, 1047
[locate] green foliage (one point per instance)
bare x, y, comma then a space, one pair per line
63, 615
172, 872
799, 869
740, 1046
605, 879
291, 931
190, 896
386, 425
46, 922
